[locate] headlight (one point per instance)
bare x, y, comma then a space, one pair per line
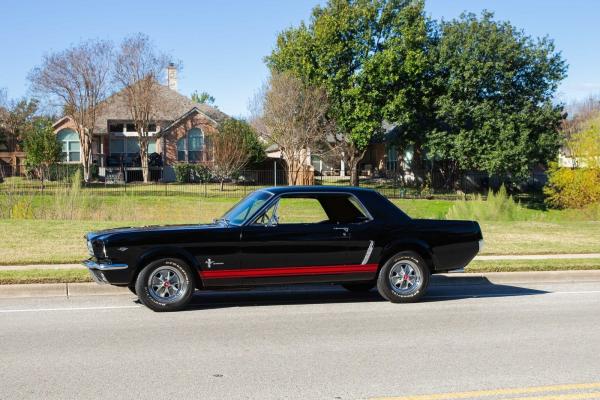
97, 249
90, 248
481, 242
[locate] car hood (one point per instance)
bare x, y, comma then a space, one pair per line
106, 234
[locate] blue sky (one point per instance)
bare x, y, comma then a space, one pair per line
222, 43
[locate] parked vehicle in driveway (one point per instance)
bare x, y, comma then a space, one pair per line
351, 236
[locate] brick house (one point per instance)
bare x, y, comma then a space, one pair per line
180, 133
381, 157
12, 157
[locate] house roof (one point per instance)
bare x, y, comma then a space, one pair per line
173, 106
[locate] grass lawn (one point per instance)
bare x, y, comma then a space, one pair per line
44, 276
533, 265
56, 236
530, 237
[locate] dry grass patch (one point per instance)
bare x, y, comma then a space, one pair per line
529, 237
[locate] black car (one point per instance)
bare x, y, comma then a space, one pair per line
285, 235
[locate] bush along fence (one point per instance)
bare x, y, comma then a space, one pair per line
198, 180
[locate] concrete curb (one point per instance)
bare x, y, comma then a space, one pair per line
508, 257
60, 290
456, 279
487, 278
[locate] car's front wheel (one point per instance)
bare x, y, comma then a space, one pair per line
403, 278
165, 285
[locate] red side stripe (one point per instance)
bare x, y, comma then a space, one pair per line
288, 271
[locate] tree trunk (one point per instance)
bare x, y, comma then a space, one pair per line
417, 167
85, 141
355, 157
144, 158
292, 169
354, 178
145, 170
85, 160
222, 184
41, 173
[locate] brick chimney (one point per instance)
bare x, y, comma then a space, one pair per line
172, 76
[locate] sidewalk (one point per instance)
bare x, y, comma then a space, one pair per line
478, 258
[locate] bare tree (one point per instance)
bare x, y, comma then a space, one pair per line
137, 71
293, 116
77, 79
231, 148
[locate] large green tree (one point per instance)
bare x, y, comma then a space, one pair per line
495, 112
233, 146
350, 48
41, 146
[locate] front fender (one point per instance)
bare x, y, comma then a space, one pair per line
166, 252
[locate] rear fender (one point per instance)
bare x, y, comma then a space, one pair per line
418, 246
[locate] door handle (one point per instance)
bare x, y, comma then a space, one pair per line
343, 229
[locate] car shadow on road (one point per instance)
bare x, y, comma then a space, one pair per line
442, 288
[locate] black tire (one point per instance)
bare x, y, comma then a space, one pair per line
389, 276
359, 287
179, 273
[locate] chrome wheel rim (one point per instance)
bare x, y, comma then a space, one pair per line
405, 277
166, 284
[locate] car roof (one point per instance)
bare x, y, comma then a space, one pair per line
316, 189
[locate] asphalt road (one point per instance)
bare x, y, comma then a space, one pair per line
308, 343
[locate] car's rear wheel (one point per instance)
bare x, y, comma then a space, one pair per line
359, 287
165, 285
403, 278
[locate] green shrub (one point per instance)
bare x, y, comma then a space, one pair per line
192, 173
572, 187
65, 172
498, 206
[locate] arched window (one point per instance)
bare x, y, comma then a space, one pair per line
71, 151
190, 147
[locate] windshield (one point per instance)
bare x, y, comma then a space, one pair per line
246, 208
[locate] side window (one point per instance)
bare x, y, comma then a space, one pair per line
294, 210
344, 209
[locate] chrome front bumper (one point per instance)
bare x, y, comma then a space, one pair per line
91, 264
96, 270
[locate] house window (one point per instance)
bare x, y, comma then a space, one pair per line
71, 150
190, 147
392, 159
181, 149
129, 147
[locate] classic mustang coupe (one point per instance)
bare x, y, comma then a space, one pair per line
286, 235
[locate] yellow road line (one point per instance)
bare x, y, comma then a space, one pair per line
501, 392
573, 396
